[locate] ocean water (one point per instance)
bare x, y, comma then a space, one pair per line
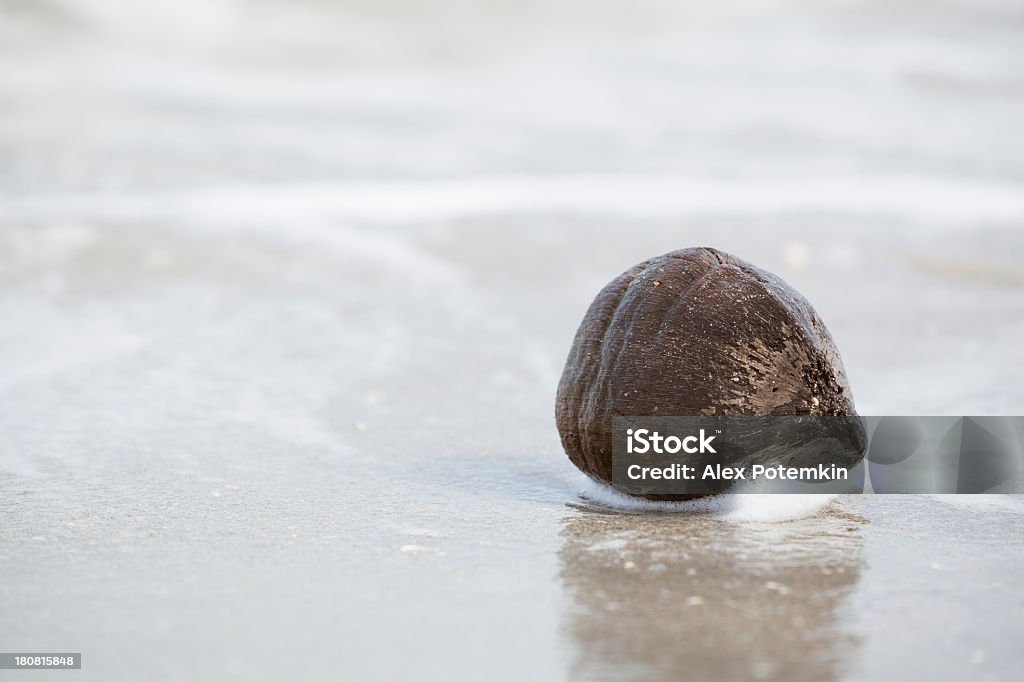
287, 289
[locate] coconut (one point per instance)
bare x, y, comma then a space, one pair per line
696, 332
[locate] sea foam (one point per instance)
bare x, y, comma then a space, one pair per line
731, 507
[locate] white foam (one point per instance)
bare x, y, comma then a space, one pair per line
732, 507
932, 199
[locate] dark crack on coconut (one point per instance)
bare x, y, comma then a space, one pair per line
695, 332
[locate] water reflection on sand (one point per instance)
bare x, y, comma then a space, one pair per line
669, 597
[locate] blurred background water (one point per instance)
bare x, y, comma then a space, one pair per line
124, 96
287, 288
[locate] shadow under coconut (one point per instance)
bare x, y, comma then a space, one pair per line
670, 597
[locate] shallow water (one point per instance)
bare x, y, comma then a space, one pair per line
287, 295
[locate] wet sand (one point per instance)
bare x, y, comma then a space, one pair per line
283, 330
